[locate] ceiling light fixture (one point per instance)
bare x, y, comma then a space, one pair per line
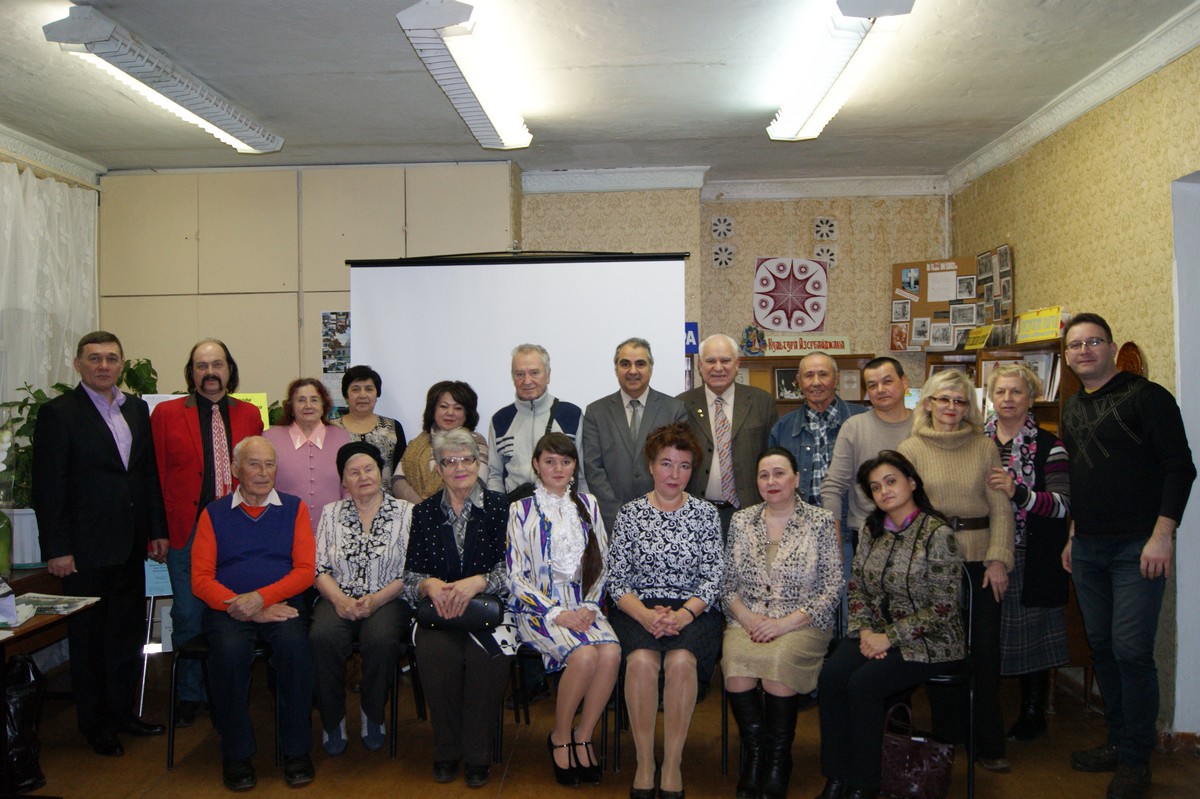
855, 39
89, 34
441, 33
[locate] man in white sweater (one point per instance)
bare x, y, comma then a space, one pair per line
860, 439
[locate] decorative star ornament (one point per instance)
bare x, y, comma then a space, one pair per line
790, 294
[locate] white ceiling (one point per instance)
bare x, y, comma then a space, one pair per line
612, 83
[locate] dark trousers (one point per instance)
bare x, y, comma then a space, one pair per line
853, 691
464, 687
232, 654
1120, 614
948, 704
187, 620
105, 642
380, 638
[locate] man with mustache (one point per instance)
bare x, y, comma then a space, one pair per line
193, 438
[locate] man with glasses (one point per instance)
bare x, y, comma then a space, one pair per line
1131, 474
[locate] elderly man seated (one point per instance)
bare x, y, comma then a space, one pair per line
252, 559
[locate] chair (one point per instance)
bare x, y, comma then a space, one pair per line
964, 674
418, 694
198, 649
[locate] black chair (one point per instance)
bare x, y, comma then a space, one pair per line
418, 693
964, 674
199, 650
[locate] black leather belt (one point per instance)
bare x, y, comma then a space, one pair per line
957, 523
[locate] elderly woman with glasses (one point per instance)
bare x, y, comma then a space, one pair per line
456, 551
954, 459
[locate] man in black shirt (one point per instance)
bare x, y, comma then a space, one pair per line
1131, 473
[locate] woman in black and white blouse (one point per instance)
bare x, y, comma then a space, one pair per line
664, 572
361, 546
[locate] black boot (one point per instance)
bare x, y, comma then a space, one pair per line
747, 707
1032, 721
780, 730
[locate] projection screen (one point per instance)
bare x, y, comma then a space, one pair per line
419, 321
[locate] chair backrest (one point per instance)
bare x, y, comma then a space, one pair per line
966, 605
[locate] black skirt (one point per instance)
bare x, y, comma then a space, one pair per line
702, 637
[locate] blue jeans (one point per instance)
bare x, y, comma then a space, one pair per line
187, 615
1120, 613
232, 654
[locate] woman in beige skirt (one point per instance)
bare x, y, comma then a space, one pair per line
783, 580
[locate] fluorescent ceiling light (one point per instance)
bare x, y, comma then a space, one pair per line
442, 33
89, 34
850, 51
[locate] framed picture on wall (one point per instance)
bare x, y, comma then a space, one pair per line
786, 387
962, 315
900, 310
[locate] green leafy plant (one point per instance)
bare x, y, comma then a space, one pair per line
138, 376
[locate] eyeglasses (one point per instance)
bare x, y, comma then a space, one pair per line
465, 460
1091, 343
945, 402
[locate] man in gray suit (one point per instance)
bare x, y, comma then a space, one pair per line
615, 429
749, 413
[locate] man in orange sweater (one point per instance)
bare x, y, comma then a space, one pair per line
252, 559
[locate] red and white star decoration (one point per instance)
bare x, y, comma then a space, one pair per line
790, 294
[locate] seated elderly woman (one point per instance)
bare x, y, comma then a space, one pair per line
664, 571
361, 545
783, 580
307, 446
905, 625
361, 388
556, 547
449, 405
455, 552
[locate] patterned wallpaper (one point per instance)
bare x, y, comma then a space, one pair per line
1088, 211
623, 221
869, 235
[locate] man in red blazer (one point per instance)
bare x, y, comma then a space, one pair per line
99, 511
194, 437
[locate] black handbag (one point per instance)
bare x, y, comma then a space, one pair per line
913, 766
484, 612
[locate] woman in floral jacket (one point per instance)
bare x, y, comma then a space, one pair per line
556, 548
905, 624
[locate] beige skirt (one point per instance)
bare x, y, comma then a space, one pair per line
793, 659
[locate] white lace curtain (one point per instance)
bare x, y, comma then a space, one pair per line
47, 278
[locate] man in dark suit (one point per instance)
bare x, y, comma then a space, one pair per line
194, 437
723, 408
615, 429
99, 508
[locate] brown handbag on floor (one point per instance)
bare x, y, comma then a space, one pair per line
913, 767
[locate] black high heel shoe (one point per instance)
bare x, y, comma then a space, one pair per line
589, 774
565, 776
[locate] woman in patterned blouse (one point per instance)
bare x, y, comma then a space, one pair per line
904, 625
361, 388
556, 546
361, 545
783, 580
664, 572
1035, 476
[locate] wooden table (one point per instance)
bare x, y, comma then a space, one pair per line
41, 630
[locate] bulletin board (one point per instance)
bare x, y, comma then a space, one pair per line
934, 304
997, 293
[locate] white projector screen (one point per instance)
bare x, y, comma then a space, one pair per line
420, 321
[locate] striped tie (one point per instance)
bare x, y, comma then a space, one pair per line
724, 452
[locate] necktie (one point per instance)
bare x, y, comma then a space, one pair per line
724, 451
222, 473
635, 418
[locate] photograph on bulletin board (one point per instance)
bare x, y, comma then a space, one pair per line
996, 287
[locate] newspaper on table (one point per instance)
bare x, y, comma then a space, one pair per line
54, 605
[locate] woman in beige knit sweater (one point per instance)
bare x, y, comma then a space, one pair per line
953, 456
